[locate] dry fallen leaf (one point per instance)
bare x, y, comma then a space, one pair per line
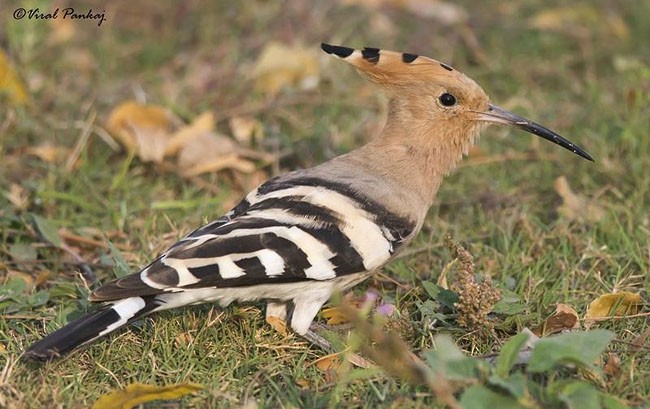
137, 393
331, 362
580, 20
637, 343
47, 152
278, 324
246, 129
337, 315
208, 152
303, 383
142, 129
615, 304
10, 83
202, 124
18, 196
280, 66
564, 318
613, 365
575, 206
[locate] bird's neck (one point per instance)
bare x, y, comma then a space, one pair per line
417, 153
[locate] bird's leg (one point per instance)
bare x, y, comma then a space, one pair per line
277, 310
318, 340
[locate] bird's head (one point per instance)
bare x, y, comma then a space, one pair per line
433, 100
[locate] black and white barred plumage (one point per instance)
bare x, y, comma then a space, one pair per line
293, 241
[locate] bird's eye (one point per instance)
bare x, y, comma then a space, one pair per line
447, 99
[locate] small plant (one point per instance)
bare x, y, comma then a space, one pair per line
475, 300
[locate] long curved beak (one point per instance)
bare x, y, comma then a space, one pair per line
499, 115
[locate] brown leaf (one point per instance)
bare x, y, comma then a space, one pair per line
613, 365
329, 362
246, 129
202, 124
564, 318
42, 277
303, 383
615, 304
137, 393
278, 324
210, 153
47, 152
18, 196
142, 129
575, 206
280, 66
637, 343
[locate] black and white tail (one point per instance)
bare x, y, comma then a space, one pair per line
90, 327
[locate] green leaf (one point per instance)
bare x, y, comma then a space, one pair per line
38, 298
581, 348
580, 395
612, 402
22, 252
61, 290
509, 304
445, 297
515, 384
449, 360
120, 267
480, 397
12, 288
47, 230
510, 353
431, 288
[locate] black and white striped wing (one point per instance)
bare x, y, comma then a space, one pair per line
285, 231
292, 240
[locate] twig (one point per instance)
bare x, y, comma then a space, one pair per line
81, 142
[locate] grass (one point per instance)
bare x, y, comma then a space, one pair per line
589, 79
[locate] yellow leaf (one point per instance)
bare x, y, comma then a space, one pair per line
616, 304
10, 83
137, 393
280, 66
143, 129
47, 152
331, 362
278, 324
575, 206
334, 316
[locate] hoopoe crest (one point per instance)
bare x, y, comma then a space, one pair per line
300, 237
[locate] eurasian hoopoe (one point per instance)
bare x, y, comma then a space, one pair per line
298, 238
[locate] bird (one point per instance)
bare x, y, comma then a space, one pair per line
301, 237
